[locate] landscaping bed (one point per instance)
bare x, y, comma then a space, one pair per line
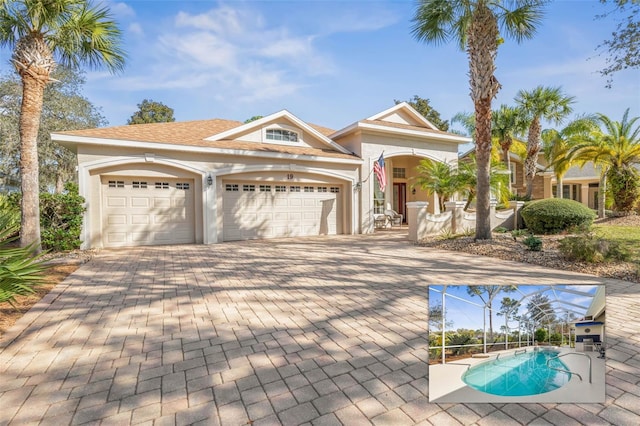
503, 246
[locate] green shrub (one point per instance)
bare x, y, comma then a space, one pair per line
592, 249
540, 335
500, 230
20, 271
533, 243
555, 215
518, 233
61, 219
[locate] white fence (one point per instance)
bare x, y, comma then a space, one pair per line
422, 223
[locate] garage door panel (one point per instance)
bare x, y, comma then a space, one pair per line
139, 219
116, 202
288, 212
135, 213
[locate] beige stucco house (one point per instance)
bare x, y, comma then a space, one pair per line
216, 180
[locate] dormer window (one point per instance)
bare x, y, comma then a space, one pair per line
282, 135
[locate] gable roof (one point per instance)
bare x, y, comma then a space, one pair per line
418, 127
284, 114
190, 135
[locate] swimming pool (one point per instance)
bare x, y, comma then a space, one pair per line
518, 375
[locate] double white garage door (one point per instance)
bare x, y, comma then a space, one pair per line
272, 210
150, 210
147, 211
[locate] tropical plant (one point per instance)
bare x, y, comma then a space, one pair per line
20, 270
548, 103
42, 33
438, 178
557, 146
507, 124
468, 178
540, 335
478, 26
615, 149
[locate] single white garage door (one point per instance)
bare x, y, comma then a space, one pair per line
147, 211
259, 210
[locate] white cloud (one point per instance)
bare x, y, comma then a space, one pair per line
120, 9
136, 28
233, 50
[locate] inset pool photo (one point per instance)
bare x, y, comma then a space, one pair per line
517, 343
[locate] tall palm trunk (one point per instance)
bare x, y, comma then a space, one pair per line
32, 96
533, 148
602, 188
482, 50
560, 191
34, 62
506, 146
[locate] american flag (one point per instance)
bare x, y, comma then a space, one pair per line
381, 175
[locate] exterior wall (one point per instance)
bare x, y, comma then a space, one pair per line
94, 161
541, 183
407, 151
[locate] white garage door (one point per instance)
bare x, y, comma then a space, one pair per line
147, 211
258, 210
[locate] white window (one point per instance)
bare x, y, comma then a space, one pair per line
399, 172
231, 187
116, 184
512, 166
265, 188
281, 135
249, 188
308, 189
139, 185
182, 185
162, 185
335, 189
322, 189
281, 188
294, 189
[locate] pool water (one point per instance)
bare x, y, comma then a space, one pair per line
518, 375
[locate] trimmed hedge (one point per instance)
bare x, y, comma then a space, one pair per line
555, 215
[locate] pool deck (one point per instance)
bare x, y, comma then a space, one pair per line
446, 385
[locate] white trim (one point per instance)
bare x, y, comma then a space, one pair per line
84, 177
459, 140
229, 134
198, 149
406, 107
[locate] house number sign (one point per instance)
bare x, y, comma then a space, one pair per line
289, 176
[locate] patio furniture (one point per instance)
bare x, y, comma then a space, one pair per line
380, 221
395, 218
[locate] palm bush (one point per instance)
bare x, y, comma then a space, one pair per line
20, 270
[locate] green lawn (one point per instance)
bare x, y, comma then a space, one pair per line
628, 236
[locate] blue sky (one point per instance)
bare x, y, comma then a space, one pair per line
468, 315
335, 62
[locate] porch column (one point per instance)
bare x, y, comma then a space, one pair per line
584, 194
388, 190
417, 219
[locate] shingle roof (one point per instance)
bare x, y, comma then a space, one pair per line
193, 133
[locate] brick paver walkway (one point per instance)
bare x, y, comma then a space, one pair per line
321, 330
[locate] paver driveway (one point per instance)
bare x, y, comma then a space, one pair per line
321, 330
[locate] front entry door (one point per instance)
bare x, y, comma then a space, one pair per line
400, 199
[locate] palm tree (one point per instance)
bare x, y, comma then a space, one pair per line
557, 146
474, 24
42, 33
615, 148
437, 178
548, 103
468, 180
507, 123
